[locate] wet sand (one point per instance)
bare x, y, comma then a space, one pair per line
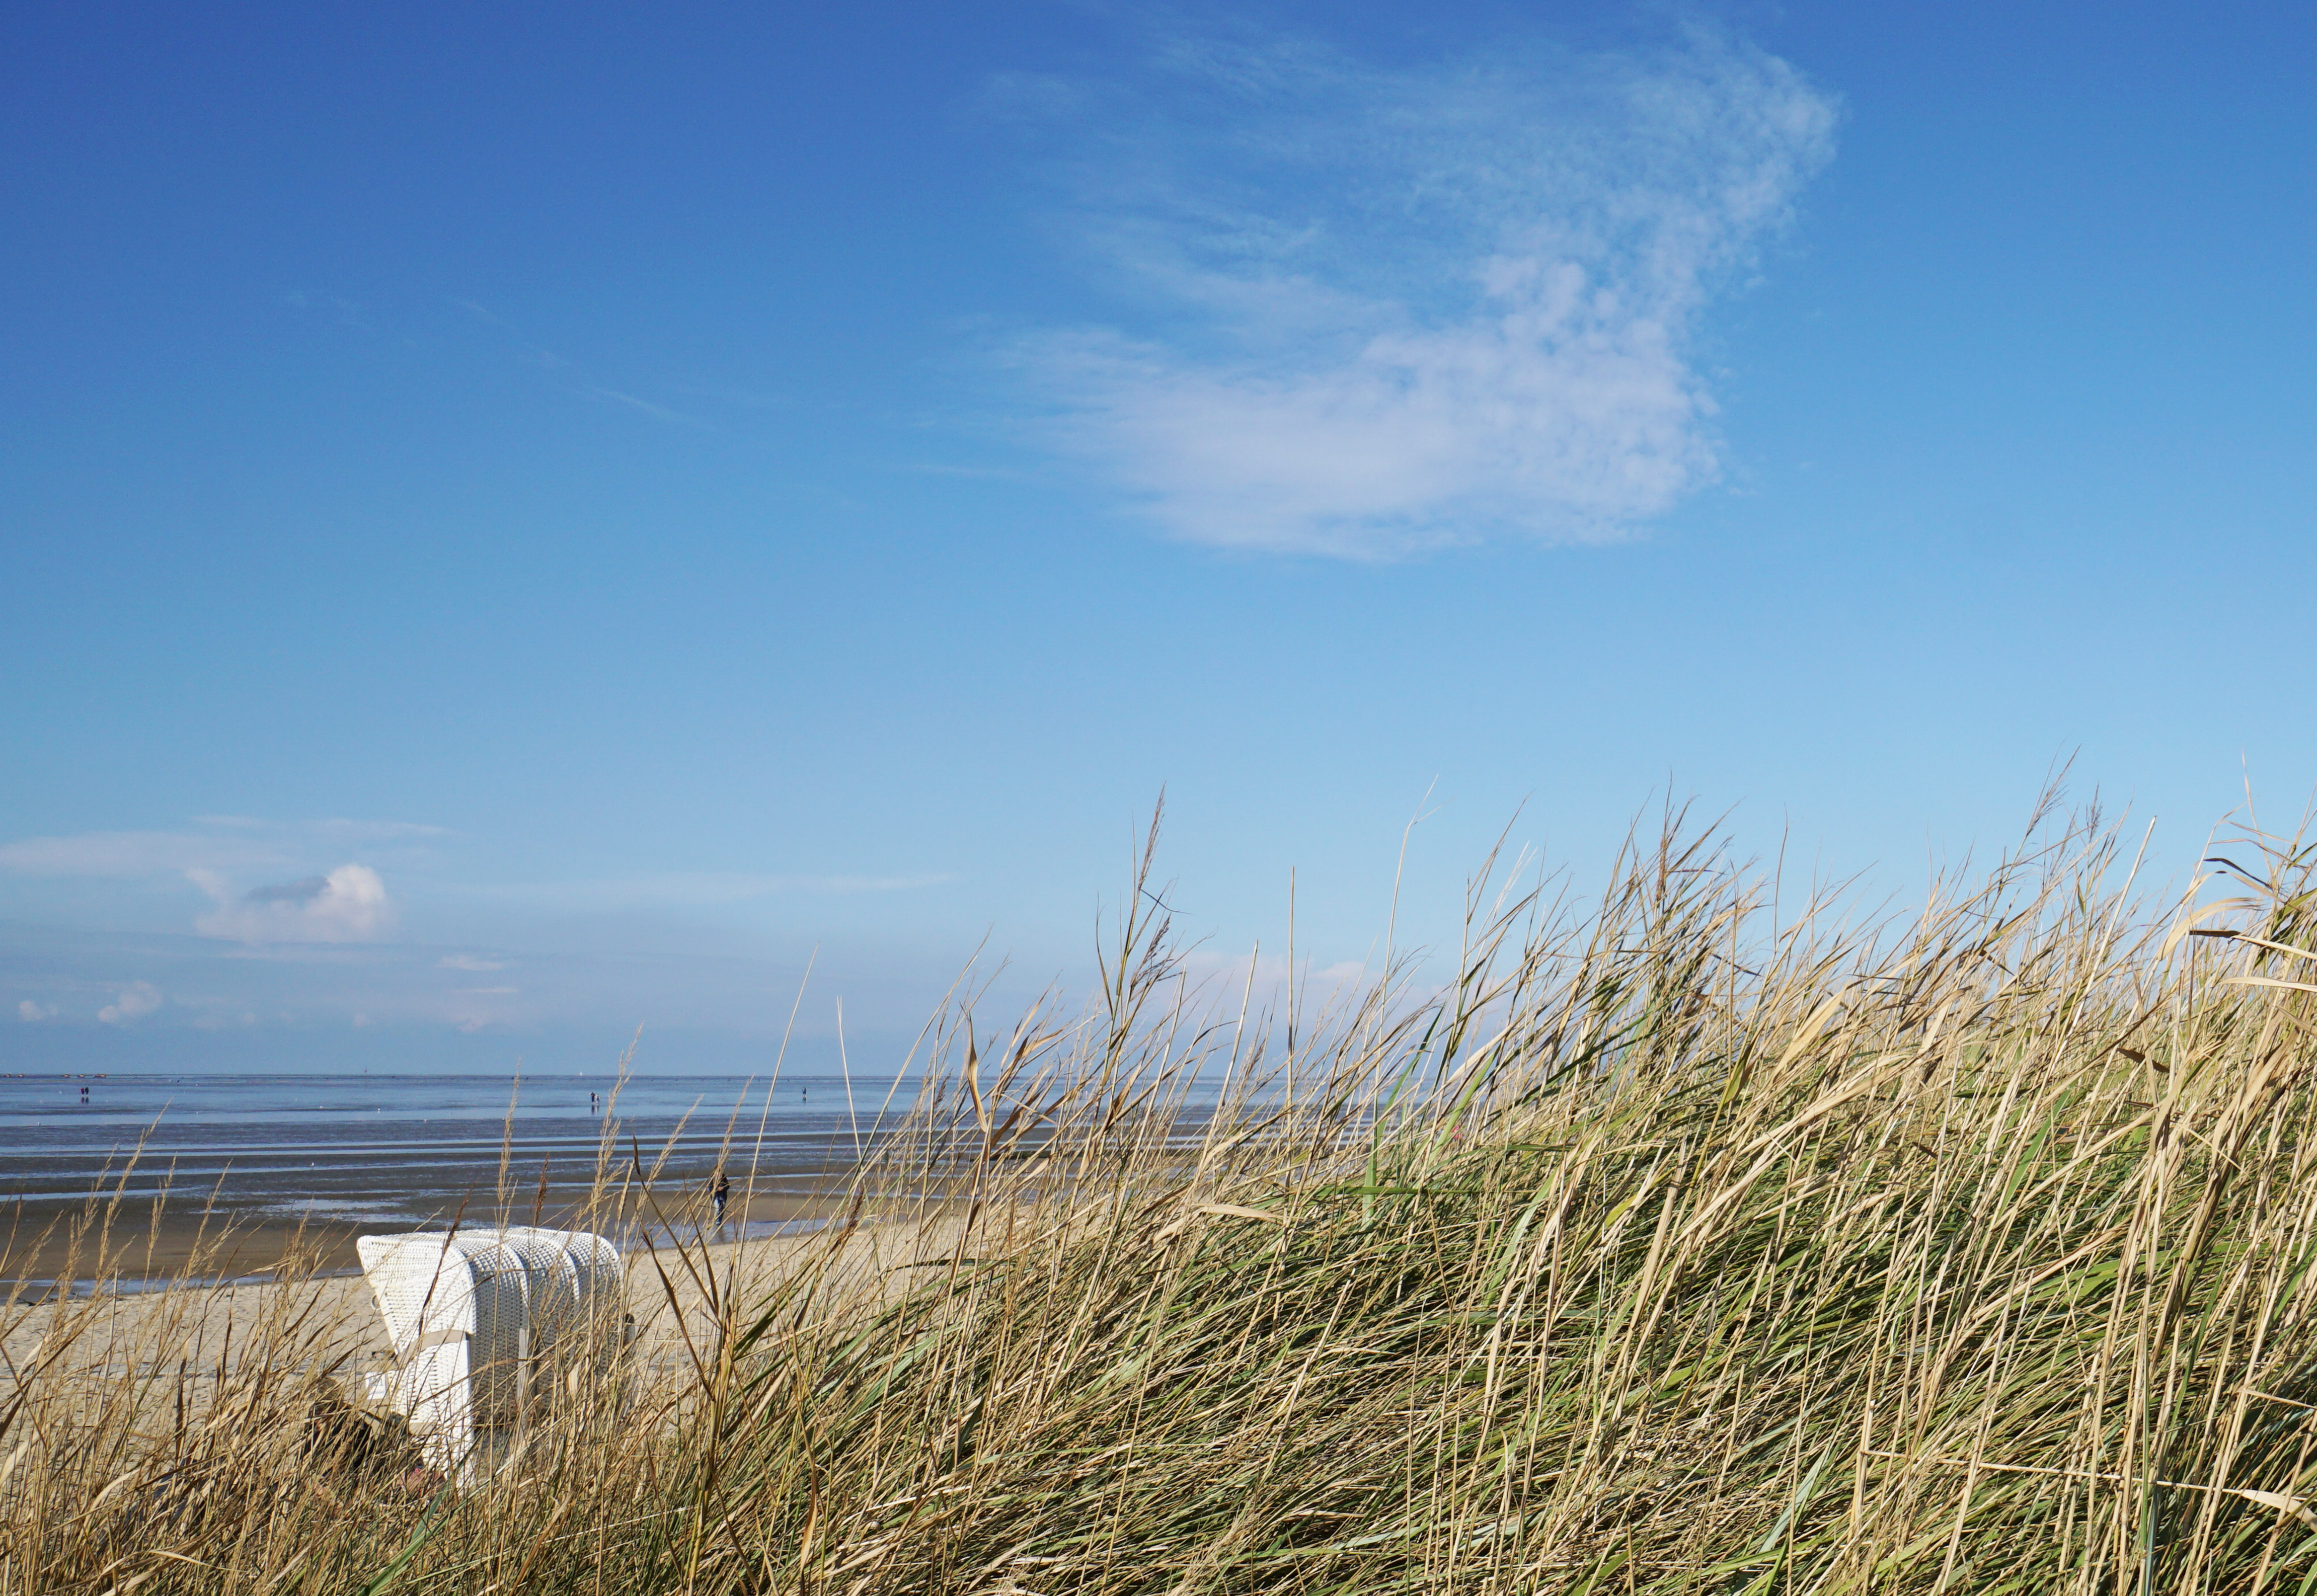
139, 1248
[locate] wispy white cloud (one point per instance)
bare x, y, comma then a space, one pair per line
701, 888
611, 396
373, 831
468, 961
137, 999
32, 1013
569, 373
1263, 978
348, 905
222, 844
1388, 308
125, 855
743, 398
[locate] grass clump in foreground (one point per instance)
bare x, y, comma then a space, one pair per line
1662, 1248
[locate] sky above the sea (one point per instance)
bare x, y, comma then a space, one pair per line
527, 523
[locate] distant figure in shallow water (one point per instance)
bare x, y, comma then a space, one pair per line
723, 1193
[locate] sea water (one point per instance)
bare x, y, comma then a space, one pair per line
386, 1149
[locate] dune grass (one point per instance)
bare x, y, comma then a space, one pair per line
1674, 1245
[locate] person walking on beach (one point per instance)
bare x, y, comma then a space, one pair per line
723, 1194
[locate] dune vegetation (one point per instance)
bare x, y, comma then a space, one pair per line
1679, 1241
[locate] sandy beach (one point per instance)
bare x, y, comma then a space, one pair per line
329, 1323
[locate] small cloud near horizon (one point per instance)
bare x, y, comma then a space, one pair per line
137, 999
305, 900
348, 905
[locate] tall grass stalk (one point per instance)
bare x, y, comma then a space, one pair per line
1668, 1246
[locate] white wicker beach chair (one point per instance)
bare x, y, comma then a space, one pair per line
486, 1326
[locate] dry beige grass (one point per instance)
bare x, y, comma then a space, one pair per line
1668, 1247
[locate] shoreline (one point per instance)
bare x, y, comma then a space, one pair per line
143, 1253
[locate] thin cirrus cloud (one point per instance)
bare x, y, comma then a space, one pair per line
1387, 310
224, 845
700, 888
468, 961
1267, 981
125, 855
289, 883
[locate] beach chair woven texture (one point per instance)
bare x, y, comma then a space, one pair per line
456, 1306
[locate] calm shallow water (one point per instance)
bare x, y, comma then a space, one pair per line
373, 1149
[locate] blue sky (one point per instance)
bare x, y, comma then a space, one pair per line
523, 524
